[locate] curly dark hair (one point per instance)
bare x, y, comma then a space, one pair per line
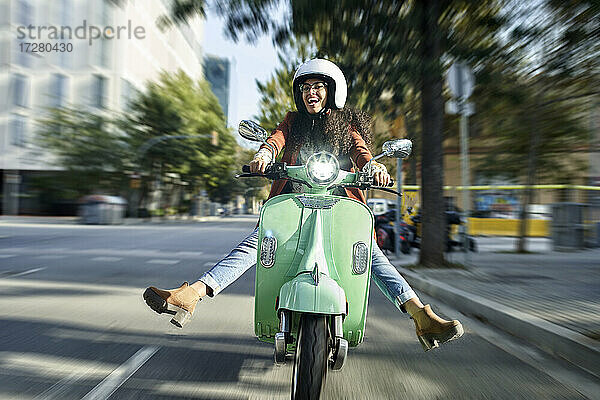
331, 130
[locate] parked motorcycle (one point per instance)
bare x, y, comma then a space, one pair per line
386, 229
452, 218
314, 264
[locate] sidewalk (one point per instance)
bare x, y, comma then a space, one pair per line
551, 299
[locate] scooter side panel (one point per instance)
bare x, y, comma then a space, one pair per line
281, 218
349, 223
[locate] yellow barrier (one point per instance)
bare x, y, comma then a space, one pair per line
506, 187
508, 227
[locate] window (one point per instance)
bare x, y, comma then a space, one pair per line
4, 52
102, 48
4, 13
127, 92
99, 91
105, 52
65, 19
59, 90
17, 130
20, 90
25, 12
24, 17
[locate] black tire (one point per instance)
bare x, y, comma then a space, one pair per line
310, 360
383, 239
405, 247
472, 245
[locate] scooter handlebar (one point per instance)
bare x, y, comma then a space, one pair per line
246, 170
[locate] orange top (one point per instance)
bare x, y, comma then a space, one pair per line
359, 154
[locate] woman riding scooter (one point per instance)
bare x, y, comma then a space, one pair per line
321, 123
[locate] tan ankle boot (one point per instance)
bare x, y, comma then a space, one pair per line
433, 330
179, 302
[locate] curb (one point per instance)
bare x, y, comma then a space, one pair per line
574, 347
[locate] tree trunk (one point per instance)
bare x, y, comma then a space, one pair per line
432, 172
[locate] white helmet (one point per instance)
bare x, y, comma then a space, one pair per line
337, 89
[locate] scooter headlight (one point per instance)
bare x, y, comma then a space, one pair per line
322, 168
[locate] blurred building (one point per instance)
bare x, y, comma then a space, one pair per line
80, 70
217, 72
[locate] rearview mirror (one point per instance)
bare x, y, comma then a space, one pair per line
399, 148
252, 131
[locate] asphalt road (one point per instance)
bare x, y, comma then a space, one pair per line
73, 325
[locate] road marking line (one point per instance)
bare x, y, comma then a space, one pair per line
188, 253
7, 255
108, 259
60, 388
210, 264
164, 262
50, 257
118, 377
29, 271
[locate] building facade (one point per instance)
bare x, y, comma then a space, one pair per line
79, 53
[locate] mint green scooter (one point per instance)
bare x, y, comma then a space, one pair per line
314, 264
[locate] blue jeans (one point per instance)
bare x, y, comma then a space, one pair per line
243, 257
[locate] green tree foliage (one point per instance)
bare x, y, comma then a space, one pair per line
89, 146
100, 148
231, 186
181, 12
176, 105
276, 95
509, 115
534, 95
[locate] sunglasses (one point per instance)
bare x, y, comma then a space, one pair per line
318, 86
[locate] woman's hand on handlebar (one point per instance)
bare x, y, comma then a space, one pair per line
260, 161
380, 175
257, 166
382, 178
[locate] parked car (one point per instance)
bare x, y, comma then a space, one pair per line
380, 206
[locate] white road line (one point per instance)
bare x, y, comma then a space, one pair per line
7, 255
50, 257
164, 262
116, 378
108, 259
61, 388
29, 271
188, 253
210, 264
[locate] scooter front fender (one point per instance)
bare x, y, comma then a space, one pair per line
307, 295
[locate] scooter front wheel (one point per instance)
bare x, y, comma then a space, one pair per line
310, 360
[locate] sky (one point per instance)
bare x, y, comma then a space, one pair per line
249, 62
